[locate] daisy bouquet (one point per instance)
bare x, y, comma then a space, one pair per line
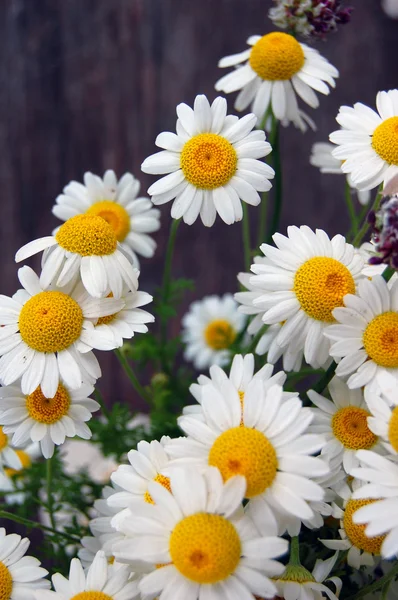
265, 464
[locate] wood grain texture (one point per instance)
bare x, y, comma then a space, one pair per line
88, 84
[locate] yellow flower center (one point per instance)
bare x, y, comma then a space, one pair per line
205, 548
48, 410
219, 334
296, 573
5, 582
393, 429
380, 339
247, 452
277, 56
350, 427
25, 461
87, 235
50, 321
385, 140
115, 214
320, 285
356, 533
164, 481
208, 161
92, 596
3, 439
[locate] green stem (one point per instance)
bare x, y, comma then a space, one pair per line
262, 223
100, 400
376, 585
50, 498
253, 344
365, 225
278, 180
325, 379
165, 293
351, 209
388, 273
294, 558
33, 524
132, 376
246, 237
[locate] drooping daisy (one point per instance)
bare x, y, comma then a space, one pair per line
366, 337
276, 68
368, 141
130, 217
78, 455
48, 420
12, 480
101, 582
262, 436
322, 157
377, 501
384, 421
297, 583
88, 245
20, 575
201, 542
303, 279
8, 455
344, 423
47, 334
212, 164
210, 327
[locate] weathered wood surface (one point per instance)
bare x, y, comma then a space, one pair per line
88, 84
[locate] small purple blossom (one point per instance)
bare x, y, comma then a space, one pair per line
384, 223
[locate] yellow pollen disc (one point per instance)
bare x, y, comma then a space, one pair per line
350, 427
50, 321
385, 140
48, 410
393, 429
205, 548
208, 161
320, 285
3, 439
219, 334
92, 596
247, 452
164, 481
115, 214
380, 339
356, 533
277, 56
5, 582
25, 461
87, 235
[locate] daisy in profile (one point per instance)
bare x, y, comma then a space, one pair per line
210, 327
377, 501
101, 582
301, 282
131, 218
87, 245
20, 575
343, 420
384, 421
211, 164
262, 436
322, 157
46, 334
12, 480
365, 337
37, 418
367, 141
272, 72
202, 541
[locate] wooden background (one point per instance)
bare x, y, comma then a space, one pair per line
88, 84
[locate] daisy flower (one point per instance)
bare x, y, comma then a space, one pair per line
20, 575
297, 583
87, 245
47, 334
303, 279
322, 157
368, 142
101, 582
202, 541
11, 480
260, 435
276, 68
365, 337
79, 455
344, 422
130, 217
210, 327
212, 164
8, 455
37, 418
384, 421
377, 501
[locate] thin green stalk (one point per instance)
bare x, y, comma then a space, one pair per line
388, 273
385, 589
100, 400
351, 209
246, 237
132, 376
365, 225
325, 379
253, 344
165, 293
376, 585
262, 222
278, 183
294, 558
33, 524
50, 498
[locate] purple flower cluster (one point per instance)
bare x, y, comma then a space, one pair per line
384, 223
329, 14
